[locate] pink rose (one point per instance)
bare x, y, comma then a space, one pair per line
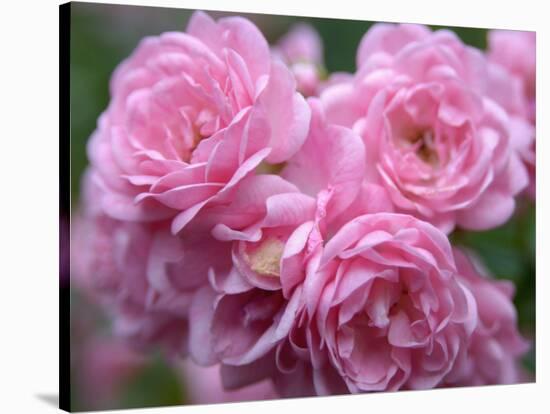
496, 346
330, 165
386, 308
512, 57
302, 49
433, 137
114, 269
191, 115
145, 276
276, 230
243, 318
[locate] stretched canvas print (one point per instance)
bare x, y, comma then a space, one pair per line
266, 207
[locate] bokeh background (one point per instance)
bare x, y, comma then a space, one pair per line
105, 373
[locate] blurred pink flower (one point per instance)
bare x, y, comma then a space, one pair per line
512, 57
386, 309
112, 269
106, 366
302, 49
496, 346
433, 137
140, 272
516, 51
204, 386
191, 115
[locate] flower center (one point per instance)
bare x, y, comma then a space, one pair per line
424, 146
265, 168
187, 131
265, 259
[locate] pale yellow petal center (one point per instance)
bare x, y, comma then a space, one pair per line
265, 259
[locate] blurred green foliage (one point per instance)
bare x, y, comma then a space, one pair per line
103, 35
156, 385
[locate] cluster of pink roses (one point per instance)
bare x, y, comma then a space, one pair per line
227, 217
